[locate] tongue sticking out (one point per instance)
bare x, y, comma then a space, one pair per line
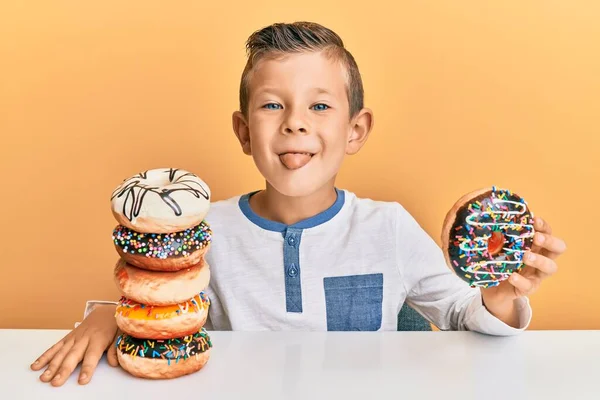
295, 160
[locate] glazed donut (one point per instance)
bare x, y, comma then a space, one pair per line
161, 200
163, 359
163, 252
154, 288
485, 235
162, 322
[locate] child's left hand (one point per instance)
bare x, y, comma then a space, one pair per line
540, 264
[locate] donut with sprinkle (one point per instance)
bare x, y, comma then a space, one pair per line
171, 350
486, 235
162, 251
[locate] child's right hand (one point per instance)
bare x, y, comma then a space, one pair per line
87, 342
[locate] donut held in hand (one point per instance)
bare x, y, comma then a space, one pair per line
486, 234
163, 251
163, 359
161, 200
162, 322
154, 288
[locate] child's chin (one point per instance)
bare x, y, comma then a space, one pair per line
296, 188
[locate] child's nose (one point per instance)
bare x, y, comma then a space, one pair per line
295, 123
299, 130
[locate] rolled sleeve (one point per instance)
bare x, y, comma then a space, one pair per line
481, 320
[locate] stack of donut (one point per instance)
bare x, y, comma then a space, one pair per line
162, 274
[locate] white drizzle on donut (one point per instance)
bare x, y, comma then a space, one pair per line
506, 215
134, 189
471, 221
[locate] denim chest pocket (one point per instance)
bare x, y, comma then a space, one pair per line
354, 302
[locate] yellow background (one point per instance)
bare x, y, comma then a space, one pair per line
465, 94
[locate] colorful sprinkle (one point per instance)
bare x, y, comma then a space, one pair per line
496, 211
163, 246
169, 349
130, 309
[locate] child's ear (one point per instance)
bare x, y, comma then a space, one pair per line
240, 127
361, 126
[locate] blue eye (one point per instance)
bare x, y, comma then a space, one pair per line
272, 106
320, 107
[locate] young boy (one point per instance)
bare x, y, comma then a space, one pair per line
302, 254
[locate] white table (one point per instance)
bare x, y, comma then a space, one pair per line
283, 365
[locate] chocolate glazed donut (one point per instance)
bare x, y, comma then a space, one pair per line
164, 359
163, 251
486, 234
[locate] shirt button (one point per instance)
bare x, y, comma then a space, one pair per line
291, 241
292, 271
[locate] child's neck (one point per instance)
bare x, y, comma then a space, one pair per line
274, 206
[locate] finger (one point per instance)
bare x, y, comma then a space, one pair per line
56, 361
540, 225
90, 361
521, 284
111, 354
47, 356
544, 265
70, 362
553, 245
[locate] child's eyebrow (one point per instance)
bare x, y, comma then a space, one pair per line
322, 91
266, 90
275, 91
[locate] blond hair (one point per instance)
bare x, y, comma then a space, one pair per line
297, 37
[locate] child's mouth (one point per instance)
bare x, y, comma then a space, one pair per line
295, 160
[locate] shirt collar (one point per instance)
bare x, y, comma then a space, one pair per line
310, 222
